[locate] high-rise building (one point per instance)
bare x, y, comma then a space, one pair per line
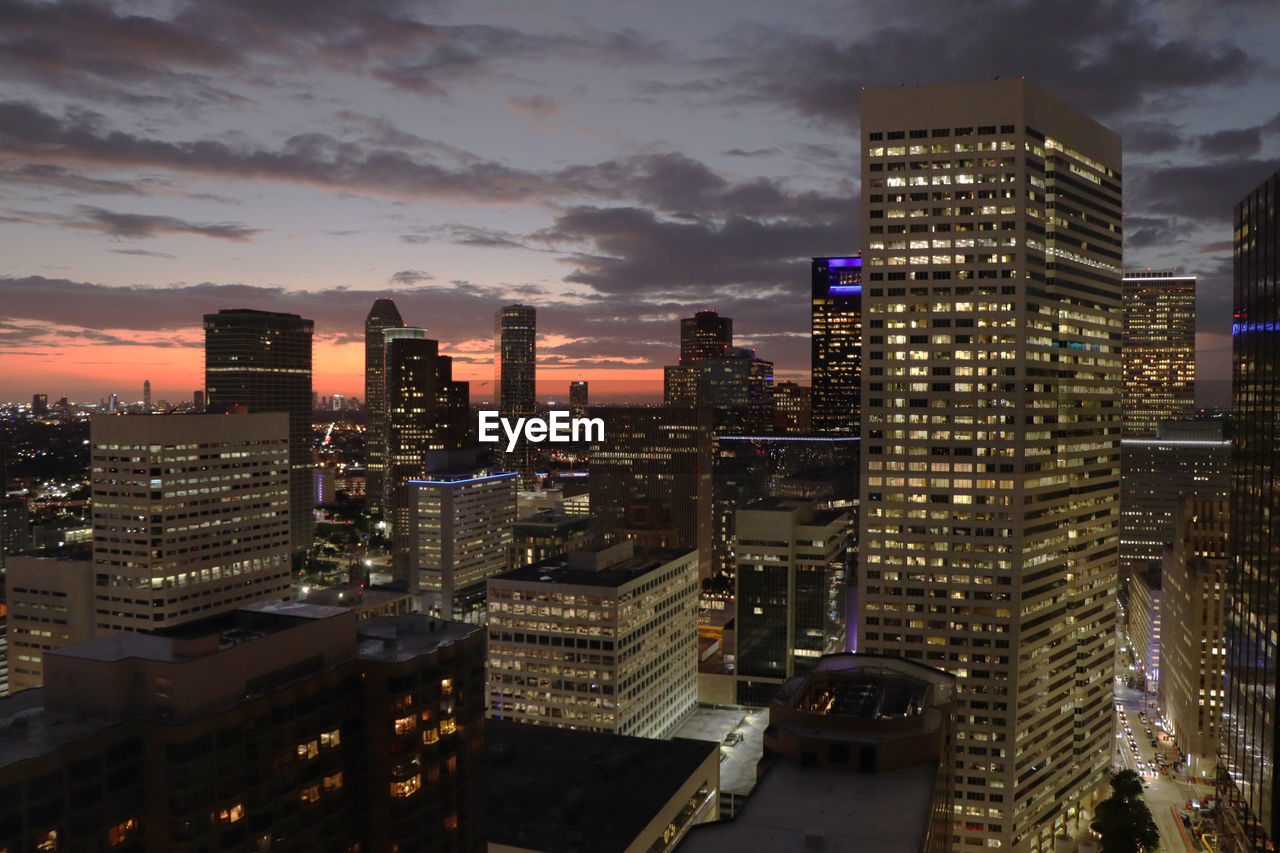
578, 398
616, 649
991, 226
792, 565
1191, 651
39, 405
1146, 610
792, 406
382, 316
1250, 735
427, 417
836, 348
515, 332
281, 726
1185, 459
651, 478
146, 395
190, 516
461, 537
197, 400
260, 361
51, 605
1159, 350
705, 335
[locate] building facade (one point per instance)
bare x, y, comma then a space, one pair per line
191, 516
1192, 651
791, 584
603, 639
992, 320
1252, 618
284, 727
1159, 350
260, 361
515, 332
462, 527
427, 414
51, 605
578, 398
836, 356
382, 316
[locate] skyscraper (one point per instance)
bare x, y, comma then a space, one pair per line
427, 415
382, 316
515, 334
836, 348
1252, 617
578, 398
1159, 350
190, 516
260, 361
705, 335
146, 395
991, 225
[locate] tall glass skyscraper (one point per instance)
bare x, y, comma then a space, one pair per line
382, 316
1159, 350
260, 361
515, 333
836, 331
991, 234
1252, 616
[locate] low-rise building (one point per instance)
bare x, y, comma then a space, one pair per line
604, 638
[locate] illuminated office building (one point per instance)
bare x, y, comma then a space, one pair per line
1192, 650
382, 316
578, 398
603, 639
792, 408
1252, 617
461, 536
792, 565
190, 516
515, 332
992, 322
427, 418
260, 361
836, 354
705, 335
1159, 350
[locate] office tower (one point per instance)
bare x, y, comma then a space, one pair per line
578, 398
427, 416
190, 516
705, 335
616, 649
461, 536
836, 348
1159, 350
857, 757
653, 793
792, 563
260, 361
382, 316
547, 533
337, 403
146, 395
113, 402
792, 408
197, 400
991, 225
1146, 605
1185, 459
273, 727
1253, 573
1191, 652
651, 478
39, 405
514, 377
51, 605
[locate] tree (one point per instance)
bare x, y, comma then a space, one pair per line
1123, 820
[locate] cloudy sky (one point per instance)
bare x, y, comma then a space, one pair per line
617, 165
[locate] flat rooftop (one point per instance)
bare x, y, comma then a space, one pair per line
568, 569
402, 638
596, 791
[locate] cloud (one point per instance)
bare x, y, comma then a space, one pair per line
144, 253
58, 177
1205, 193
133, 226
410, 277
1245, 142
537, 108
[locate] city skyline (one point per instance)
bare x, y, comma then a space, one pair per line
619, 169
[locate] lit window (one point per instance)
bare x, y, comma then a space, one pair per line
49, 841
229, 815
451, 822
406, 724
334, 782
430, 736
330, 739
448, 726
446, 686
310, 794
310, 749
407, 787
122, 832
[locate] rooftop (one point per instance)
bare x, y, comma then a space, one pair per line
595, 566
596, 791
401, 638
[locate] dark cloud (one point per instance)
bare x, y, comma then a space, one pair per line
1143, 232
538, 108
1149, 137
1205, 193
754, 152
58, 177
410, 277
144, 253
133, 226
1232, 143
